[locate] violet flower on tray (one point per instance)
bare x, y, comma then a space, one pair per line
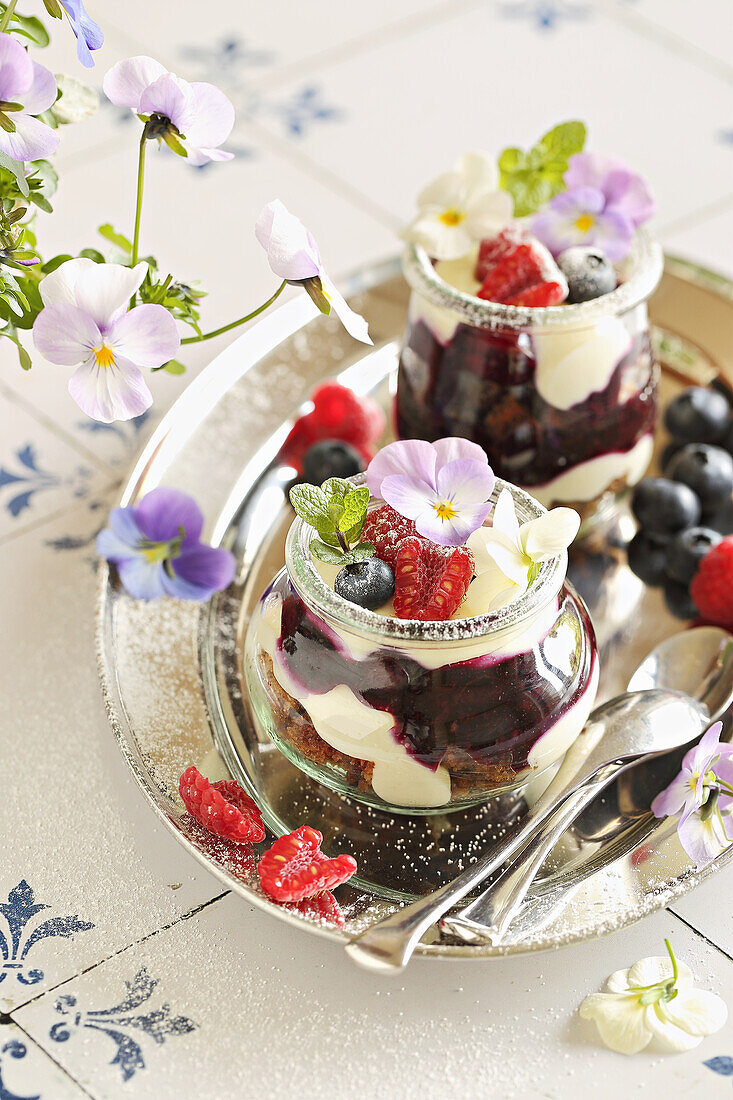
156, 546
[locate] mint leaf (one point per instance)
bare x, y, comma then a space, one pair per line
336, 487
533, 178
361, 552
354, 510
309, 502
325, 553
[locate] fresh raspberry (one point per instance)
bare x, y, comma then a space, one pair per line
386, 529
295, 868
543, 294
321, 908
223, 807
515, 267
337, 414
712, 586
492, 249
430, 580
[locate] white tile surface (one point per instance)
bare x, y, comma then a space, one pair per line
26, 1072
708, 241
280, 1008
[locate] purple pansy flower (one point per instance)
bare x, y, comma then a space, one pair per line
157, 549
88, 33
602, 207
443, 486
86, 321
702, 794
29, 84
201, 115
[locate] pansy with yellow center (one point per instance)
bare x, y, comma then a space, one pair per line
459, 208
87, 321
443, 486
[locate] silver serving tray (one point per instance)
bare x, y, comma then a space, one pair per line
171, 672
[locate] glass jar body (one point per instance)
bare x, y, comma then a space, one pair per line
420, 727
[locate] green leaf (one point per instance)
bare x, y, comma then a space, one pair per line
309, 502
53, 8
354, 510
117, 239
17, 170
361, 552
45, 175
28, 26
93, 254
325, 553
336, 487
533, 178
335, 510
174, 367
76, 100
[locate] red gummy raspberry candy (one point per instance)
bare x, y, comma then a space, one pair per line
322, 908
712, 586
223, 808
295, 868
386, 529
337, 414
430, 581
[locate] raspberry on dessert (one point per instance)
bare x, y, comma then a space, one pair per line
712, 586
430, 581
223, 807
338, 413
386, 529
517, 270
295, 868
321, 908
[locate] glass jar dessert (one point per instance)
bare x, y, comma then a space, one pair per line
420, 716
561, 398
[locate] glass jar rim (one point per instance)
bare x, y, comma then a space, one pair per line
340, 613
641, 271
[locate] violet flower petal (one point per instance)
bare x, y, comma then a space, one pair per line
31, 139
146, 335
213, 117
16, 70
200, 571
142, 579
171, 97
65, 335
164, 510
292, 253
126, 81
414, 458
453, 531
117, 392
465, 482
410, 496
452, 448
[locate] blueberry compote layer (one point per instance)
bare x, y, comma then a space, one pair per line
480, 718
481, 385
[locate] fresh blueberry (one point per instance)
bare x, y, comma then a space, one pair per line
588, 272
721, 386
687, 550
698, 415
647, 559
707, 470
722, 521
663, 507
368, 583
669, 452
726, 442
679, 601
330, 458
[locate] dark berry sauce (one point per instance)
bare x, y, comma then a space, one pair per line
481, 385
492, 711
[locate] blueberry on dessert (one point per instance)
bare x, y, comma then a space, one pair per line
589, 273
421, 650
514, 337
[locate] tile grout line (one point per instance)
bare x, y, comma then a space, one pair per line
701, 935
120, 951
50, 1057
697, 217
667, 38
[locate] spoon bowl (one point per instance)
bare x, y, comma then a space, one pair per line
697, 662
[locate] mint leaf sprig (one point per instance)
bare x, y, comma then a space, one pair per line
533, 178
337, 511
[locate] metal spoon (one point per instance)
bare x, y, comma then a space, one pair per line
699, 662
621, 731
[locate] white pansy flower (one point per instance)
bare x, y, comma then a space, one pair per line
506, 553
459, 208
654, 1004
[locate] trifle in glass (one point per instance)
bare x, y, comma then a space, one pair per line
420, 716
562, 398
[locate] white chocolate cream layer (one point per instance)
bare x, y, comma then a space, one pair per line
588, 480
557, 740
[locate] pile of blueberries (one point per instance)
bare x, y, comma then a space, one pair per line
683, 514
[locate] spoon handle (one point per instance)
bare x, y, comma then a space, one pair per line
388, 945
488, 917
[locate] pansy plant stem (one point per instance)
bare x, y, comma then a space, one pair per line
240, 320
664, 990
139, 200
7, 16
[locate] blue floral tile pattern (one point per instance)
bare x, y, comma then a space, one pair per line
122, 1021
544, 15
12, 1049
722, 1065
19, 933
302, 109
228, 57
23, 477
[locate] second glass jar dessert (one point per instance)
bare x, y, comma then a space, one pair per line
561, 398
